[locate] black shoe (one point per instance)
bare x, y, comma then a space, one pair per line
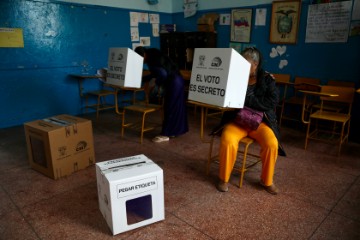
222, 186
270, 189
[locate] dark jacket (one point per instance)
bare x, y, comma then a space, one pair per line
265, 98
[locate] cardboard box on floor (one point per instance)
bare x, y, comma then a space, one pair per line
130, 192
125, 68
60, 145
219, 77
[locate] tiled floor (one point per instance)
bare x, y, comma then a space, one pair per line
319, 199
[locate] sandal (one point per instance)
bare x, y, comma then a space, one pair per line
159, 139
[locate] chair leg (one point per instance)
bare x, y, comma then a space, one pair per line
307, 134
341, 138
98, 107
348, 132
243, 167
86, 103
210, 155
281, 114
123, 123
142, 128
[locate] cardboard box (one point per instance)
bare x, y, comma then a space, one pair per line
60, 145
125, 68
219, 77
130, 192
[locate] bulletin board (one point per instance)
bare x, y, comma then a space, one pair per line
328, 22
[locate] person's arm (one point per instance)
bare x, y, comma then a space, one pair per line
266, 98
159, 74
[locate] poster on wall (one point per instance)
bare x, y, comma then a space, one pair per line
356, 10
11, 38
328, 22
240, 25
260, 17
285, 17
190, 7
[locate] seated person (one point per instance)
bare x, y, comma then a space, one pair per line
261, 95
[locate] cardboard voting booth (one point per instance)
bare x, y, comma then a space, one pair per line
60, 145
125, 68
219, 77
130, 192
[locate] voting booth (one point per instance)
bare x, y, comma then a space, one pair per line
125, 68
130, 192
219, 77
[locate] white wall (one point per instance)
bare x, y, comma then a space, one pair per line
218, 4
165, 6
170, 6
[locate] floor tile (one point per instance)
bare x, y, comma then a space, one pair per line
319, 191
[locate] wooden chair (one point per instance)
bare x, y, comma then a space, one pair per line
293, 104
282, 81
102, 102
336, 94
142, 109
341, 83
331, 106
242, 162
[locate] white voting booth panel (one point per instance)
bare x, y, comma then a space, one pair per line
130, 192
219, 77
125, 68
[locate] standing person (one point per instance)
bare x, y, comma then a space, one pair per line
167, 77
261, 95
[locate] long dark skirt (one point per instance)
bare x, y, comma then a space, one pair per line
175, 113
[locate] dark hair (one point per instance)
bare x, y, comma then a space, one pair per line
155, 58
140, 50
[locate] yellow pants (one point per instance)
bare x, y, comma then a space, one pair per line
229, 145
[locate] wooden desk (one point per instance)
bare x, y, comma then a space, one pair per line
312, 93
99, 94
80, 78
204, 106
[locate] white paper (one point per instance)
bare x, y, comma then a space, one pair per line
143, 17
155, 29
134, 19
260, 18
145, 41
154, 18
134, 34
328, 22
224, 19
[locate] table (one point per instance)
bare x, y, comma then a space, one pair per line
102, 93
81, 78
204, 106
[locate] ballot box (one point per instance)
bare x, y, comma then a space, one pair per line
60, 145
130, 192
